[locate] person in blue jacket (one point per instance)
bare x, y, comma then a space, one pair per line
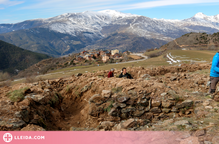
214, 73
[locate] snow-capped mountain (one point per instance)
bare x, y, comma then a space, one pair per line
92, 26
90, 23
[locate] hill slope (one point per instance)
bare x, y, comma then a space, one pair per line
126, 41
45, 41
13, 58
195, 41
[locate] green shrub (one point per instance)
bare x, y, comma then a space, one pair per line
67, 89
117, 90
108, 109
17, 95
178, 98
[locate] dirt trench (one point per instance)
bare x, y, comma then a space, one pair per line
65, 104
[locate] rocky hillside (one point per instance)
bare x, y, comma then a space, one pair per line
14, 59
195, 41
44, 41
157, 99
70, 32
125, 41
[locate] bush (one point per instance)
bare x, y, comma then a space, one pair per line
17, 95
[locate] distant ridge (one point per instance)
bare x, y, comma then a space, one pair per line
13, 59
72, 32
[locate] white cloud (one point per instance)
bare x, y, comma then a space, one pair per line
5, 20
83, 5
159, 3
73, 4
1, 8
10, 3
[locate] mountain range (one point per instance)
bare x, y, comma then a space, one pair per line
73, 32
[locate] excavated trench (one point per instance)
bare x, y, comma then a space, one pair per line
93, 102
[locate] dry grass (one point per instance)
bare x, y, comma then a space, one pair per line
4, 76
194, 55
152, 62
66, 72
135, 57
152, 52
5, 83
30, 79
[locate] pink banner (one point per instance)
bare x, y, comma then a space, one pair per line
97, 137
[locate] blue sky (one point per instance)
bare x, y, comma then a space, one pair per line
12, 11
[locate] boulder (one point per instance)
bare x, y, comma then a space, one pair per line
124, 115
171, 92
140, 108
138, 113
145, 76
182, 122
123, 99
208, 107
95, 111
155, 110
132, 93
167, 104
206, 103
174, 109
200, 133
31, 127
147, 116
156, 103
128, 109
144, 102
207, 142
131, 101
97, 99
106, 93
216, 98
215, 139
190, 140
167, 122
86, 87
197, 102
35, 97
173, 78
121, 105
113, 112
127, 123
166, 110
163, 94
186, 103
25, 115
107, 124
112, 119
25, 103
